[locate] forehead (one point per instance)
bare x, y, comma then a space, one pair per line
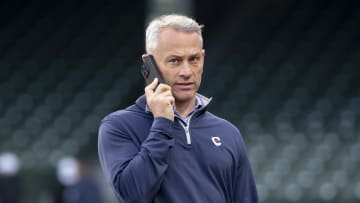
171, 40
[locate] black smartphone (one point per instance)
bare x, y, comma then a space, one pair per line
150, 71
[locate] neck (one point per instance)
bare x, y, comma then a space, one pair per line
184, 108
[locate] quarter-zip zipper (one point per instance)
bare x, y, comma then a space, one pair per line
205, 101
186, 129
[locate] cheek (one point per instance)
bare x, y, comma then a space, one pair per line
168, 75
171, 78
198, 74
197, 77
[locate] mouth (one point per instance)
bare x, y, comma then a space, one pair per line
184, 85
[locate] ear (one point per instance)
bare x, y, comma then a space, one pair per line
203, 52
143, 57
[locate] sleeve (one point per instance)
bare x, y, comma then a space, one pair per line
135, 174
245, 187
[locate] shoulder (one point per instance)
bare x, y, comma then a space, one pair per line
222, 122
116, 116
114, 120
129, 114
124, 120
113, 123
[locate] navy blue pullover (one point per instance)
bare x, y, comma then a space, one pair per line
161, 161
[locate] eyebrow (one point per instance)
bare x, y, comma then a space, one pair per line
181, 56
195, 55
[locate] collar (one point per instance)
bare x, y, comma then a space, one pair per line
200, 103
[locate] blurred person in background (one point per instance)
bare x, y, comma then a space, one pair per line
10, 185
167, 147
77, 184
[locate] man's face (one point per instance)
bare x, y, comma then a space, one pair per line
180, 58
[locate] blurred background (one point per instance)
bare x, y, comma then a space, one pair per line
286, 72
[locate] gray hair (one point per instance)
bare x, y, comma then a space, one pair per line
177, 22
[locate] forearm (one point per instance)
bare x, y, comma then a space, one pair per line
138, 178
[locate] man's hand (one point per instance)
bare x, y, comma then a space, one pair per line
160, 100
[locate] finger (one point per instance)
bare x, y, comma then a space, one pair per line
172, 100
149, 90
163, 88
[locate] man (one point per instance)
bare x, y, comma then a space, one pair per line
10, 180
76, 184
167, 148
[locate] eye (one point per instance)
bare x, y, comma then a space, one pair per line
173, 61
194, 59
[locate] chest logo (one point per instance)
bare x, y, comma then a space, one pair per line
216, 141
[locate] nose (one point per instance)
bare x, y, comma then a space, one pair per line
185, 71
